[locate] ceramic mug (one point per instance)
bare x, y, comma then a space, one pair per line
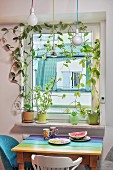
46, 133
54, 132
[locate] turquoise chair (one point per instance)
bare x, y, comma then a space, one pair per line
8, 157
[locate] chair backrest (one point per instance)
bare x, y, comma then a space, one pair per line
8, 157
52, 162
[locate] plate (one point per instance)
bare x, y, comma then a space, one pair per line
86, 138
59, 141
41, 122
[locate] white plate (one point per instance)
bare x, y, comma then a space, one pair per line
86, 138
41, 122
59, 141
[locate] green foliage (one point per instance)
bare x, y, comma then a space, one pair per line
63, 96
83, 111
73, 113
43, 99
27, 100
67, 110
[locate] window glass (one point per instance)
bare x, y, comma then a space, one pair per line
45, 67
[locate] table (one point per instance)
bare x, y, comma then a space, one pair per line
35, 144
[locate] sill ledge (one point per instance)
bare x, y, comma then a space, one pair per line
61, 125
64, 128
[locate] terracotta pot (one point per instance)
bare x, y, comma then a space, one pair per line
27, 117
93, 119
42, 118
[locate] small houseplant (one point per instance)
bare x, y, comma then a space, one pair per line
94, 71
22, 65
28, 113
93, 82
74, 118
92, 55
43, 99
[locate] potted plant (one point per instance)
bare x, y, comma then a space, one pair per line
94, 71
93, 82
74, 118
93, 117
43, 100
28, 113
92, 55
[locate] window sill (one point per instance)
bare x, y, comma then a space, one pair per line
62, 125
64, 128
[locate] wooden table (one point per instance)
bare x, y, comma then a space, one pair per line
90, 150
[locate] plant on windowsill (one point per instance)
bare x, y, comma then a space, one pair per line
16, 53
92, 55
21, 61
93, 82
43, 100
28, 112
74, 118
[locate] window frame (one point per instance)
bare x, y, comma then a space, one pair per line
95, 28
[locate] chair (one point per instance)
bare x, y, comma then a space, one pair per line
8, 157
106, 164
41, 162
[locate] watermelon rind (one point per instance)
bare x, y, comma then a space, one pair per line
78, 135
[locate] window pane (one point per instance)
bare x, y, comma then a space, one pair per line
54, 67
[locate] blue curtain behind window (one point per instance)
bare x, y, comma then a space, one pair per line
47, 70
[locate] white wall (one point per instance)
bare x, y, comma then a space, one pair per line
8, 91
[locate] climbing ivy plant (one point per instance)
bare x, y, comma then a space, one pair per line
22, 58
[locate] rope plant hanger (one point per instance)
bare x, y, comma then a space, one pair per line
77, 40
53, 54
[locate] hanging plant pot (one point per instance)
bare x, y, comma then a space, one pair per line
93, 118
42, 118
27, 117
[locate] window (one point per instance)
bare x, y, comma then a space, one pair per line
75, 79
45, 67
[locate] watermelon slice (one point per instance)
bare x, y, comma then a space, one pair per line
78, 135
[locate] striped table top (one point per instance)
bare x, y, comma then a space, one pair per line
36, 144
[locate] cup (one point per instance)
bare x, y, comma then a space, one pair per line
54, 132
46, 133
